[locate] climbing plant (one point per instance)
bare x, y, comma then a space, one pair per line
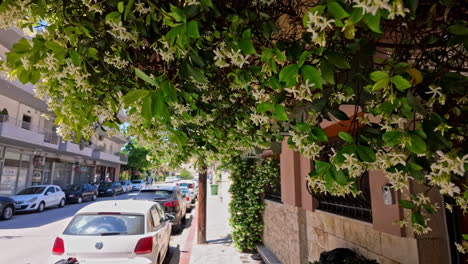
249, 178
213, 78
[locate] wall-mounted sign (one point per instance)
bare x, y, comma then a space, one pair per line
9, 171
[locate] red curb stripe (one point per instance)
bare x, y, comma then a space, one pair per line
187, 252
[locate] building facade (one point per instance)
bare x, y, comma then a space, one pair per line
31, 152
299, 224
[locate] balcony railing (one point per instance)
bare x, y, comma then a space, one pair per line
50, 136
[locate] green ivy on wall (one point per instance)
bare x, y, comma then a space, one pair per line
249, 178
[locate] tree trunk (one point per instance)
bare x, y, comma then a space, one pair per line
201, 232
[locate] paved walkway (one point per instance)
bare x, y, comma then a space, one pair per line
219, 248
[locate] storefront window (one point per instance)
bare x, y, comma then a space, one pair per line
62, 174
9, 172
23, 171
83, 174
42, 170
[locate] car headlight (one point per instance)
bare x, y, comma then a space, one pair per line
32, 200
109, 190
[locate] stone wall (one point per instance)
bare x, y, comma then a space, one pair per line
281, 231
325, 231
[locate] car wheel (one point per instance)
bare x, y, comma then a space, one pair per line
7, 213
62, 203
41, 207
94, 197
79, 200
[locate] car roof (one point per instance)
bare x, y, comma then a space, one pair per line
162, 187
120, 206
41, 186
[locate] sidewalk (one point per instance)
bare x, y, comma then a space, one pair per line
219, 248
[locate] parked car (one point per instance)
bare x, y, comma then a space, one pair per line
193, 187
170, 197
138, 185
7, 208
80, 192
188, 197
110, 188
39, 197
123, 231
172, 179
126, 186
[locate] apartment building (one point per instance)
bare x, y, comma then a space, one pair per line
32, 153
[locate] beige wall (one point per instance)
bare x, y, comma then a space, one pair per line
10, 104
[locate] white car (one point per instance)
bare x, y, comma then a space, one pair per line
193, 187
138, 185
172, 179
117, 232
39, 197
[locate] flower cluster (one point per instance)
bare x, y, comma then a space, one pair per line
317, 26
222, 53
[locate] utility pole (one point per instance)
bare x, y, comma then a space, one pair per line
201, 231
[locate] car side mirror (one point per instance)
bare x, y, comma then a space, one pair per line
170, 217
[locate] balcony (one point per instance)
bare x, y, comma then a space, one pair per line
18, 132
101, 155
74, 148
123, 158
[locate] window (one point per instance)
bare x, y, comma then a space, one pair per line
26, 124
156, 217
50, 190
161, 213
103, 224
273, 187
358, 207
57, 189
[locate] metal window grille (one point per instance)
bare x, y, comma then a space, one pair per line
358, 207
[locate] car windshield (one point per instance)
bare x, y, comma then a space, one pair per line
31, 190
105, 185
153, 194
105, 225
136, 182
72, 187
184, 190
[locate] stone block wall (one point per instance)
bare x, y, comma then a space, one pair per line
281, 231
325, 231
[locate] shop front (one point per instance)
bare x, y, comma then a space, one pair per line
14, 170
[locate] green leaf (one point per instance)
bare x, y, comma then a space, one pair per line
280, 113
415, 166
247, 47
318, 105
113, 17
338, 60
34, 76
340, 115
274, 83
407, 204
265, 107
345, 136
301, 127
58, 50
339, 176
192, 29
320, 133
312, 75
22, 46
23, 76
247, 34
378, 75
92, 52
380, 84
414, 103
289, 74
134, 95
169, 90
458, 29
196, 73
146, 109
373, 22
416, 144
159, 106
321, 167
120, 7
356, 15
400, 83
303, 58
327, 72
391, 138
76, 58
429, 208
366, 153
337, 11
417, 218
465, 236
328, 180
144, 77
128, 9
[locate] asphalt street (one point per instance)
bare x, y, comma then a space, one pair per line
28, 237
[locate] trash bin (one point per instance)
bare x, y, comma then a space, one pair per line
214, 189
